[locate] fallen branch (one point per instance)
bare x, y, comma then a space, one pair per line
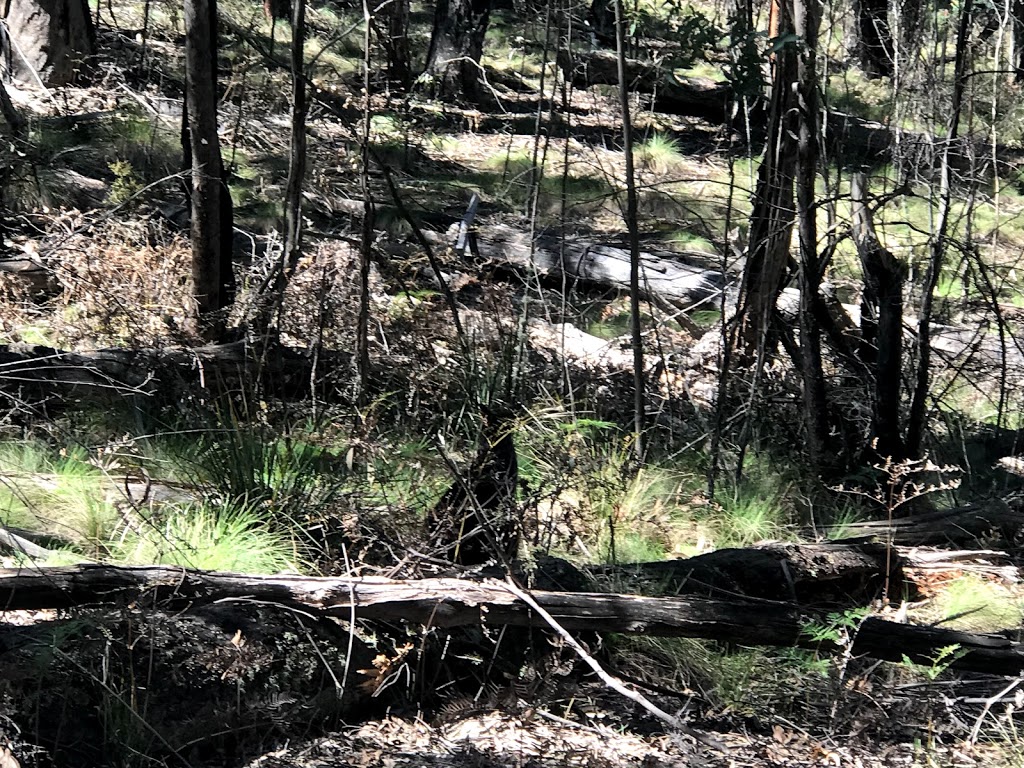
453, 602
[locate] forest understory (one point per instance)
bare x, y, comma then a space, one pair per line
232, 536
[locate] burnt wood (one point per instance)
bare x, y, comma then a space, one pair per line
454, 602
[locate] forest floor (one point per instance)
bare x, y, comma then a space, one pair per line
115, 264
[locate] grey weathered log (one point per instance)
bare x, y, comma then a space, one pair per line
962, 525
451, 602
676, 278
33, 373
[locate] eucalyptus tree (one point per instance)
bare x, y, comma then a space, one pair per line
213, 284
456, 44
49, 40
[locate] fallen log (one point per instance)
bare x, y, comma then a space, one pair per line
853, 139
962, 525
448, 602
36, 373
828, 573
819, 574
680, 279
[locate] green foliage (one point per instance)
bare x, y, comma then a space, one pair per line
292, 478
58, 492
659, 153
125, 185
837, 628
678, 20
227, 537
939, 663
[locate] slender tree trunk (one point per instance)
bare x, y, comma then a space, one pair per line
395, 39
807, 22
919, 404
1018, 40
366, 240
297, 154
632, 228
456, 45
771, 221
204, 147
201, 98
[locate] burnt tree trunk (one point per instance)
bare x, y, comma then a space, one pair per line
456, 45
1018, 40
874, 38
807, 21
771, 221
297, 151
393, 34
49, 39
881, 321
213, 283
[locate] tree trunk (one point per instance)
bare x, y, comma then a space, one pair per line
771, 221
629, 215
807, 21
448, 602
10, 113
874, 38
1018, 40
918, 419
297, 149
393, 35
456, 45
212, 213
52, 39
881, 320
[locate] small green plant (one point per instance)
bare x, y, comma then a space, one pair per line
126, 183
836, 628
944, 657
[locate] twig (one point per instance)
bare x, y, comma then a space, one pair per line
973, 738
608, 679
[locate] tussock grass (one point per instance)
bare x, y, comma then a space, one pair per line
235, 536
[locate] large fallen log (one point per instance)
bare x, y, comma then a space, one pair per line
451, 602
818, 574
844, 573
36, 373
962, 525
682, 280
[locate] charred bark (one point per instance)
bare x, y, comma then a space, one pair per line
881, 324
771, 221
874, 38
455, 602
213, 284
456, 45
